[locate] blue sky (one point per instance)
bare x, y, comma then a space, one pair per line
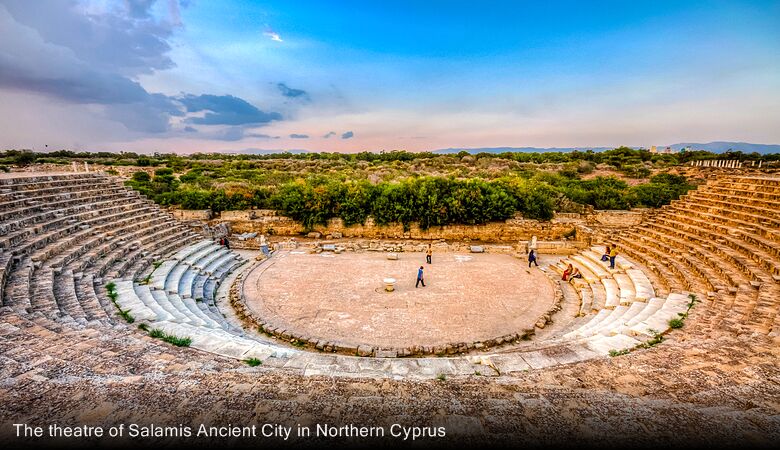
173, 75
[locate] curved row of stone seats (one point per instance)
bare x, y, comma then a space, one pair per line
167, 244
173, 268
52, 203
117, 255
721, 240
62, 234
601, 287
640, 319
708, 268
78, 252
173, 292
671, 274
770, 220
52, 221
221, 342
747, 243
630, 312
31, 190
14, 203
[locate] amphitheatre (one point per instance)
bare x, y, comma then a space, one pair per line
116, 309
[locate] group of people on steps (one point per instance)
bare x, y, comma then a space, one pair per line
610, 253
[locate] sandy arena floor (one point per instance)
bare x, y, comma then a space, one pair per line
468, 298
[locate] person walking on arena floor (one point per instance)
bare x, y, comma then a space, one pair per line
429, 254
612, 255
420, 278
532, 258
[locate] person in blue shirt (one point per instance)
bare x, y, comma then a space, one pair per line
420, 277
532, 258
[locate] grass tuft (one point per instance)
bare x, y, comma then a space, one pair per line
253, 362
177, 341
157, 333
169, 338
113, 295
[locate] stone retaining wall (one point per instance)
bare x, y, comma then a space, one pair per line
616, 218
512, 230
517, 249
192, 214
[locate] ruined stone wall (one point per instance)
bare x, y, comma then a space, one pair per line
512, 230
616, 218
191, 214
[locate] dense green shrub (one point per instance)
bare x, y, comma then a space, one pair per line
662, 189
313, 188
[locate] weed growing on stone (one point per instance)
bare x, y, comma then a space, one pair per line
678, 322
169, 338
157, 333
441, 377
177, 341
253, 362
113, 295
263, 331
655, 340
613, 353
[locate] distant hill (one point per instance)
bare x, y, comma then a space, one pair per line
446, 151
715, 147
723, 146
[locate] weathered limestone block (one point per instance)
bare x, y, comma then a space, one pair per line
365, 350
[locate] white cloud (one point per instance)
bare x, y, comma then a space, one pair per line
274, 36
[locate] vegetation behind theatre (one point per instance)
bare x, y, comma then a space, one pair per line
401, 186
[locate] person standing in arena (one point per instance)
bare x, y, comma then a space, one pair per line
420, 278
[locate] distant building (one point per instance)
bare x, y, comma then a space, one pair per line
666, 151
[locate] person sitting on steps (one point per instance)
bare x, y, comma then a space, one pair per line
567, 273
